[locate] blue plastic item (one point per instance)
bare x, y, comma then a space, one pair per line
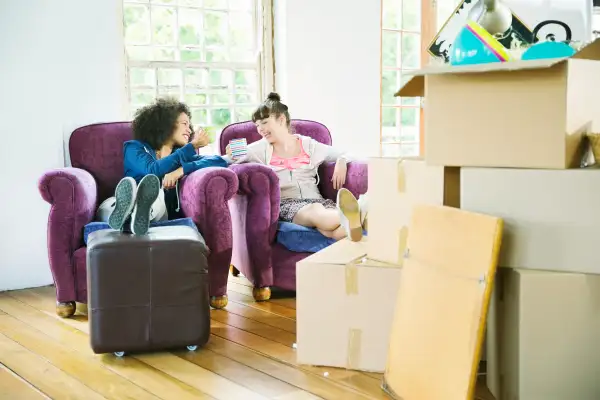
474, 45
544, 50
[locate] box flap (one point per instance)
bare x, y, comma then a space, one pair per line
589, 52
341, 252
415, 86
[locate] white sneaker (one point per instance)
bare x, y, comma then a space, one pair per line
124, 202
147, 193
349, 211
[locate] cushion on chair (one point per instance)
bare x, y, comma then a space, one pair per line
301, 239
98, 226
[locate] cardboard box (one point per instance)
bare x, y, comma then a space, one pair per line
442, 304
343, 308
395, 186
551, 217
521, 114
545, 335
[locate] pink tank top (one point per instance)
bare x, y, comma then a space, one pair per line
293, 162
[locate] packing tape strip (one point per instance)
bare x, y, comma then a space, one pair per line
354, 348
401, 177
352, 276
402, 241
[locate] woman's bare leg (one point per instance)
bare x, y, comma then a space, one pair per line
316, 216
337, 234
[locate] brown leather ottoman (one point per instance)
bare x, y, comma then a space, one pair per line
147, 292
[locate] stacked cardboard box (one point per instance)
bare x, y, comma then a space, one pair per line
516, 130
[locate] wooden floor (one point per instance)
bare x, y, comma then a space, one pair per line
250, 355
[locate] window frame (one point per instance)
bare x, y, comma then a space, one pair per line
426, 32
263, 16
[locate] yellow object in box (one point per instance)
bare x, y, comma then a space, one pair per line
395, 186
343, 308
441, 309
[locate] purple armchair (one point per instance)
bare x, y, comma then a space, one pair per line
74, 193
255, 211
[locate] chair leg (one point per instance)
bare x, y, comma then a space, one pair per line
234, 271
218, 302
261, 294
65, 309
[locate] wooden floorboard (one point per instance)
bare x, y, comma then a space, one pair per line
250, 355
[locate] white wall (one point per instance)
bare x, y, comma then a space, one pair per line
327, 60
61, 67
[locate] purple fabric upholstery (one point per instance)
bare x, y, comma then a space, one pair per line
96, 153
255, 208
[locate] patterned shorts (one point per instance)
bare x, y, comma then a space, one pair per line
290, 207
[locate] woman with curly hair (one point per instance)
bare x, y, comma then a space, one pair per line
164, 150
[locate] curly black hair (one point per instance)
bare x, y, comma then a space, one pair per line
154, 124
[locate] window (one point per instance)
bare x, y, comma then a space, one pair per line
215, 55
401, 53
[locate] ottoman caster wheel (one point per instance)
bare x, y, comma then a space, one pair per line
218, 302
192, 348
65, 309
261, 294
119, 353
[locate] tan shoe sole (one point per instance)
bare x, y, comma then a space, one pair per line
350, 214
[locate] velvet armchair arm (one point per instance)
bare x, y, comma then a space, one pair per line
255, 211
204, 197
72, 194
356, 179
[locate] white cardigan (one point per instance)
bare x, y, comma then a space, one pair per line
300, 183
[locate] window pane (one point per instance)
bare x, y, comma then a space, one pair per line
136, 22
190, 27
199, 116
142, 77
219, 78
163, 1
411, 15
390, 85
390, 49
164, 54
392, 10
411, 50
243, 114
220, 117
195, 77
400, 150
139, 53
163, 26
215, 29
239, 34
245, 98
246, 79
191, 55
220, 99
215, 4
195, 99
169, 77
241, 5
217, 55
170, 92
142, 97
190, 3
409, 116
